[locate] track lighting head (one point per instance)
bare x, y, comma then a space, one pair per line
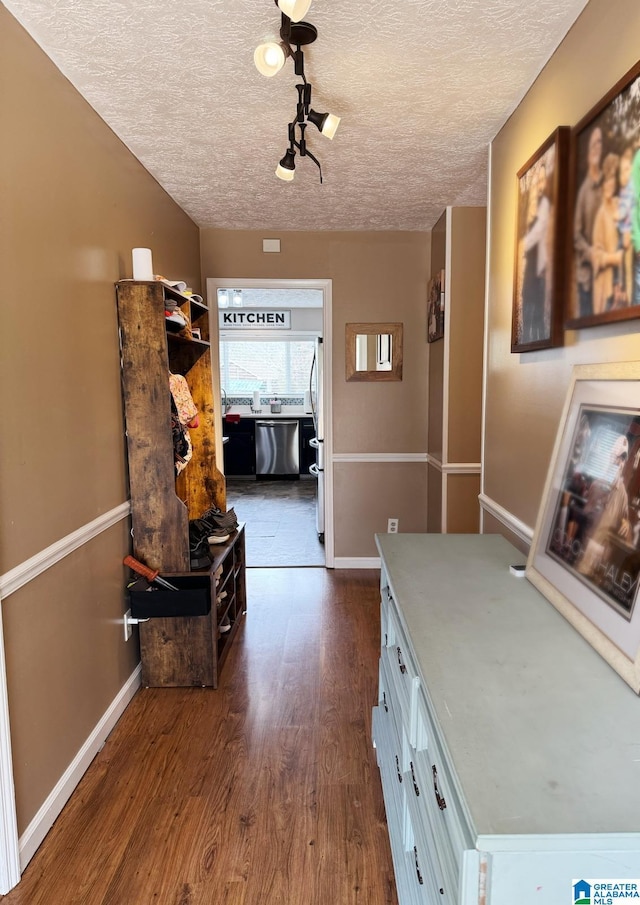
286, 169
269, 58
327, 123
296, 10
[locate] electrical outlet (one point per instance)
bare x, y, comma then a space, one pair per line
392, 526
127, 625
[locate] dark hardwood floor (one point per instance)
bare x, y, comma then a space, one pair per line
264, 791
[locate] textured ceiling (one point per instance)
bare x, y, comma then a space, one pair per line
422, 87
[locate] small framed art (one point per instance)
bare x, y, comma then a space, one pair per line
435, 308
539, 270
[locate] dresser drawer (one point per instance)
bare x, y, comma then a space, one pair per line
402, 673
395, 803
389, 756
430, 879
433, 783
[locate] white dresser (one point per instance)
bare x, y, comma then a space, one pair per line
509, 751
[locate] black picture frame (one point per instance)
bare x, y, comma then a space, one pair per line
539, 268
435, 308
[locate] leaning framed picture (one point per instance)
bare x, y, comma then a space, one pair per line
604, 180
435, 308
585, 555
539, 269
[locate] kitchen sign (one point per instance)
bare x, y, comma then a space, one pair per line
245, 319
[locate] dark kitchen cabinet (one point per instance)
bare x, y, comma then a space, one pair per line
240, 449
307, 453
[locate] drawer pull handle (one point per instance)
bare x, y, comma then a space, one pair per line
403, 668
413, 777
441, 802
441, 891
419, 875
384, 702
398, 769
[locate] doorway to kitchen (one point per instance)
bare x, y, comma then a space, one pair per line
270, 339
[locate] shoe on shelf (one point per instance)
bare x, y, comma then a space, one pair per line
225, 625
199, 563
218, 536
199, 552
218, 519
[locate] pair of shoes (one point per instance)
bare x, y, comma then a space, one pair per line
218, 519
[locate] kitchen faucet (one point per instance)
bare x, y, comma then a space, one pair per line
225, 404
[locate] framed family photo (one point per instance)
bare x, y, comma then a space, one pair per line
536, 320
585, 555
604, 207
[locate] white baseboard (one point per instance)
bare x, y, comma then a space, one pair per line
524, 532
357, 562
44, 819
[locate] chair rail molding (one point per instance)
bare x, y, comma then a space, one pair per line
517, 527
16, 578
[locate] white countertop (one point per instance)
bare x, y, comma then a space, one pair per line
288, 411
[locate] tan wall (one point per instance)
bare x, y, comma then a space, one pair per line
368, 494
463, 514
466, 324
75, 202
525, 393
376, 277
434, 499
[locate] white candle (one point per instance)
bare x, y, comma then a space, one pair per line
142, 264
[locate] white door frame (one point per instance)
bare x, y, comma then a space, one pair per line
215, 283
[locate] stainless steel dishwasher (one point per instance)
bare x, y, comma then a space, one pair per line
277, 448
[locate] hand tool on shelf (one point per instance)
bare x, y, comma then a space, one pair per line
152, 575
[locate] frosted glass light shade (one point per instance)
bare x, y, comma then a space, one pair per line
269, 58
294, 9
284, 173
330, 126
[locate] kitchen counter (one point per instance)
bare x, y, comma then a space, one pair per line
288, 411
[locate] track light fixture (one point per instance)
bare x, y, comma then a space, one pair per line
294, 9
270, 57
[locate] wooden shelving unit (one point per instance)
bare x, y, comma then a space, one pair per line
180, 650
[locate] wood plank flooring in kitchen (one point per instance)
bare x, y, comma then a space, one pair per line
280, 521
264, 792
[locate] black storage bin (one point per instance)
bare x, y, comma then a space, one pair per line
193, 597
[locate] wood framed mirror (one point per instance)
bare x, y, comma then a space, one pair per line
373, 351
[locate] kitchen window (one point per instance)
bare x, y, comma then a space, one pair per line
273, 367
